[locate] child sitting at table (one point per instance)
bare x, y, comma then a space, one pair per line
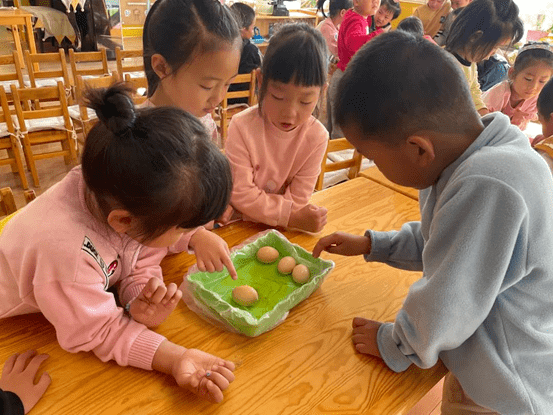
413, 25
483, 303
251, 57
432, 14
331, 24
389, 10
18, 391
356, 29
479, 30
275, 149
447, 21
544, 143
517, 96
149, 178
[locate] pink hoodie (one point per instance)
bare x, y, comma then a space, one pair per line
274, 171
58, 259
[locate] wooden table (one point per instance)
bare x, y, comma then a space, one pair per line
264, 21
14, 18
374, 174
307, 365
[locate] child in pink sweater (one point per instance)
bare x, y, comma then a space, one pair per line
149, 178
275, 150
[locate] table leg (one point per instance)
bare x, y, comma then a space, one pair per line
31, 38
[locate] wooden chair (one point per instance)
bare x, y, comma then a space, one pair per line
46, 122
126, 63
226, 111
7, 201
353, 164
10, 142
82, 64
40, 76
139, 86
87, 116
11, 72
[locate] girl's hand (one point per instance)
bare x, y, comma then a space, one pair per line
343, 244
364, 336
212, 252
19, 374
154, 304
310, 218
203, 374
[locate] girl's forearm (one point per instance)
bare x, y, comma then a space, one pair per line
166, 355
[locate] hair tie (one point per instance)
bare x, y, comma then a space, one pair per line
535, 45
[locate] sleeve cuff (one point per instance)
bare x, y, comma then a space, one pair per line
142, 351
381, 244
389, 351
284, 217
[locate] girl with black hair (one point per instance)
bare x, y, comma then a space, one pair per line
331, 24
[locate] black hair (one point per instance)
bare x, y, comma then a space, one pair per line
392, 6
157, 163
243, 14
296, 53
545, 100
335, 6
413, 25
482, 25
382, 96
180, 29
528, 57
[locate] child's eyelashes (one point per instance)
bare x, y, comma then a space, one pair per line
207, 88
306, 103
277, 98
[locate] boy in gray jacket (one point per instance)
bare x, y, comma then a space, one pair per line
484, 302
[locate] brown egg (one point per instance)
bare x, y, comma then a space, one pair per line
286, 265
267, 254
300, 274
245, 295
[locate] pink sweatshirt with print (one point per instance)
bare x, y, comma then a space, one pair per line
57, 259
274, 172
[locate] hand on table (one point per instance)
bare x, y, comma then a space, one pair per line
364, 336
342, 243
310, 218
212, 252
19, 374
203, 374
154, 304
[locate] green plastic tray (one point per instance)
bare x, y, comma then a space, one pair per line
212, 292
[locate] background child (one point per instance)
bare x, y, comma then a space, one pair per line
447, 21
191, 53
483, 304
356, 29
331, 24
544, 143
147, 178
431, 15
389, 10
413, 25
251, 57
18, 391
477, 32
517, 96
275, 149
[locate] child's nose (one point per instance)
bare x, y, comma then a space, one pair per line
218, 95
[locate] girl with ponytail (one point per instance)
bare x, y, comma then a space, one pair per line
330, 26
149, 179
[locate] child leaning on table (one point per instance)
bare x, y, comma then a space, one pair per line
483, 304
544, 142
275, 148
149, 178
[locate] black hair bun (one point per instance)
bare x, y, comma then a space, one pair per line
114, 106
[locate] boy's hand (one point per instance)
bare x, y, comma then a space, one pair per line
154, 304
310, 218
19, 374
364, 336
212, 252
203, 374
342, 243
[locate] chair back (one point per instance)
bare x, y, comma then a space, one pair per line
46, 69
129, 61
11, 71
88, 64
139, 86
353, 164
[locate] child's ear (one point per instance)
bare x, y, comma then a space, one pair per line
511, 73
343, 12
120, 220
160, 66
421, 150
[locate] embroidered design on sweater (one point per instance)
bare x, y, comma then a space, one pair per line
108, 271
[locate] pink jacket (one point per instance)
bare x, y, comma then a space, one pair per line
330, 33
498, 99
274, 172
58, 259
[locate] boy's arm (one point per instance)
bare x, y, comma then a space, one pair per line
357, 36
473, 236
247, 197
